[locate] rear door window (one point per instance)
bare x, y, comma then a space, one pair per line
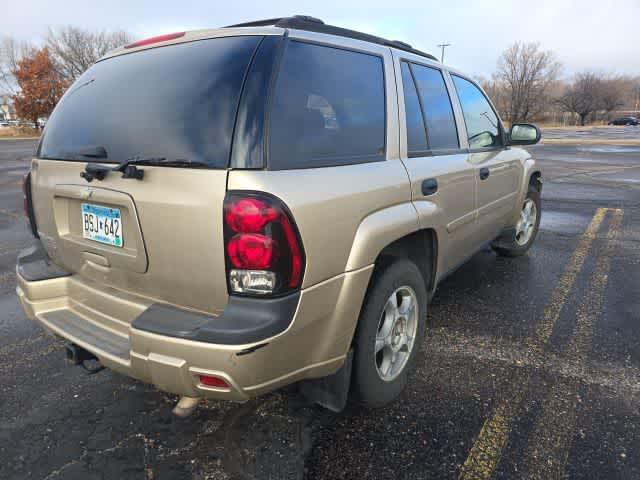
438, 112
178, 102
328, 108
483, 126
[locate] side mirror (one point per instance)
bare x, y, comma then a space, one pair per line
524, 134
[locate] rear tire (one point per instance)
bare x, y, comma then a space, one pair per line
520, 239
388, 340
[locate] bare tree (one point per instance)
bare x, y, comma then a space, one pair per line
524, 74
593, 95
11, 52
612, 92
75, 50
584, 96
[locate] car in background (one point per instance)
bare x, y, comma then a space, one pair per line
625, 121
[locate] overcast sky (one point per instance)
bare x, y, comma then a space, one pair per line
603, 35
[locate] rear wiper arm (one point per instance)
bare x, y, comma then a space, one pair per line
129, 170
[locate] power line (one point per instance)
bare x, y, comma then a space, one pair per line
442, 46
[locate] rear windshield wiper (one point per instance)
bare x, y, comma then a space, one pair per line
159, 162
129, 170
129, 167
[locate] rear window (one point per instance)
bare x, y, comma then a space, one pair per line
178, 102
328, 108
438, 113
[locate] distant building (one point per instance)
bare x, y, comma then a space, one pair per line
7, 112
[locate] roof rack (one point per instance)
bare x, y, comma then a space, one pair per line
312, 24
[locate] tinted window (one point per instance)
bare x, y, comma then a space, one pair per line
177, 102
328, 108
482, 123
248, 141
441, 124
416, 136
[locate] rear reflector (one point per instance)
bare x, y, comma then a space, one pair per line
211, 381
27, 203
156, 39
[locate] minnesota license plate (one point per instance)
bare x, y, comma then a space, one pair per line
102, 224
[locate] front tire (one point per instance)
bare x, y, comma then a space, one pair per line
520, 239
390, 333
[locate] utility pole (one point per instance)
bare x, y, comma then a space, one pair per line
442, 46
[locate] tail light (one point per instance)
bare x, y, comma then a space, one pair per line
264, 254
28, 204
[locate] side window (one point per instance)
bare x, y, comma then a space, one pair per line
416, 135
482, 123
438, 112
328, 108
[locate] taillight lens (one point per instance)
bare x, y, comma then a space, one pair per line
252, 251
28, 205
264, 254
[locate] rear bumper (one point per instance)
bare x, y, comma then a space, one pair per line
171, 347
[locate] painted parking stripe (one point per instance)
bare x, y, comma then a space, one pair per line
548, 445
487, 449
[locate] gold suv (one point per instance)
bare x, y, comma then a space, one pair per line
224, 212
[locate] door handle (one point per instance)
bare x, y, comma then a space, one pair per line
484, 173
429, 186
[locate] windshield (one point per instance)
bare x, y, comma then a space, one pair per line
177, 102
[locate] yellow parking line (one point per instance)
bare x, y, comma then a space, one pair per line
486, 451
548, 446
568, 278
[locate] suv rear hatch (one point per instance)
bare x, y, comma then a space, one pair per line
160, 236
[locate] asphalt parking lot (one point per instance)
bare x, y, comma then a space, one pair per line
532, 368
609, 134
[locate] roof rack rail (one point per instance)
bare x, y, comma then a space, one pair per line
312, 24
275, 21
255, 23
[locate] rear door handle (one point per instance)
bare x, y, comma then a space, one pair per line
484, 173
429, 186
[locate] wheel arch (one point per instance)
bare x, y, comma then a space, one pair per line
421, 247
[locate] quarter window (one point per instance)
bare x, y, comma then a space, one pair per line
438, 113
328, 108
483, 127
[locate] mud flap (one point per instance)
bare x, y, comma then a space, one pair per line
505, 239
330, 392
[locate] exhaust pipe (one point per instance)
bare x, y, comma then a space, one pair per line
186, 406
78, 355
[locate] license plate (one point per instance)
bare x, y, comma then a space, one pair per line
102, 224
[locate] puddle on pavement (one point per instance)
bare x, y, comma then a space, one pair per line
563, 222
611, 149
